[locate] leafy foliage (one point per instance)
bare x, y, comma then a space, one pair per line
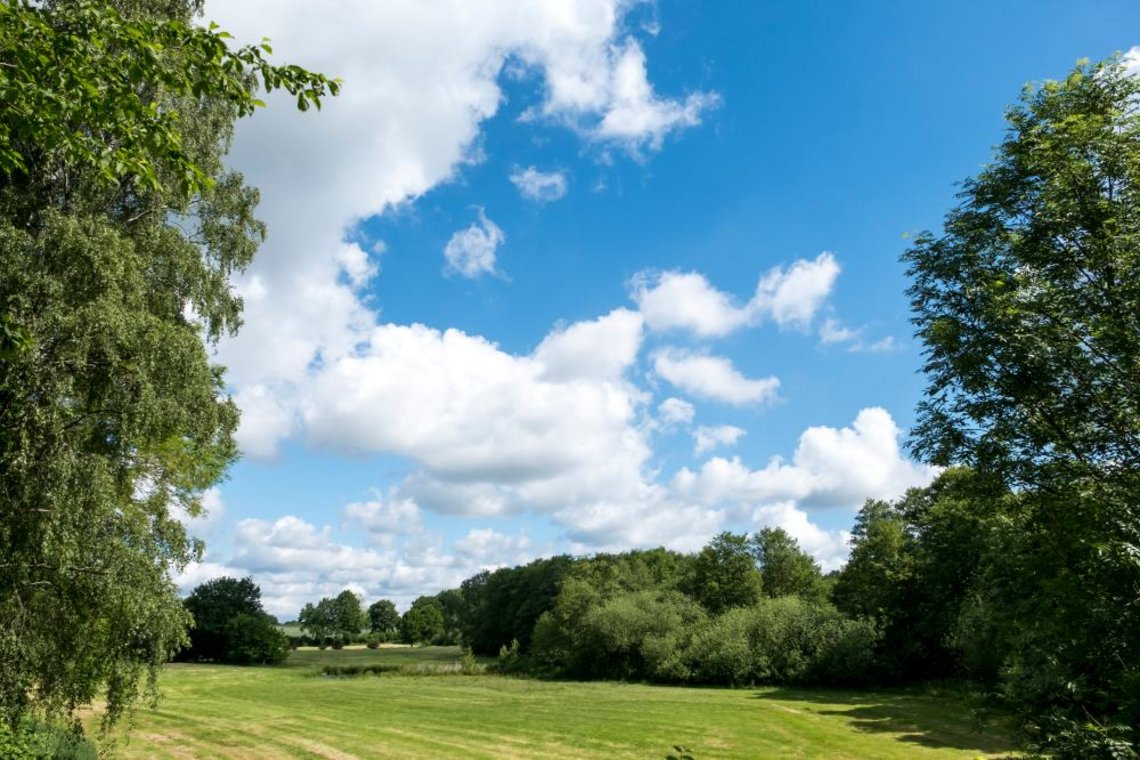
86, 88
212, 605
724, 574
503, 606
423, 621
786, 568
114, 118
1028, 306
383, 618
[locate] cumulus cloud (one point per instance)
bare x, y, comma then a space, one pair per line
830, 467
386, 519
420, 80
538, 186
712, 377
471, 252
708, 438
489, 544
789, 297
601, 348
636, 116
295, 561
673, 411
654, 518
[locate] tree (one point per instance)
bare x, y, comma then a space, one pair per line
347, 614
119, 228
383, 617
422, 622
1029, 311
881, 564
725, 575
787, 569
255, 640
212, 605
318, 620
231, 626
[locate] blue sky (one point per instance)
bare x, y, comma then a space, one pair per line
586, 275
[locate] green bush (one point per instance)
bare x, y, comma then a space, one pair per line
720, 651
510, 659
632, 635
36, 740
255, 639
797, 642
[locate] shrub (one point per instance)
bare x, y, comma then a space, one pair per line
468, 664
720, 651
510, 660
632, 635
796, 642
36, 740
254, 639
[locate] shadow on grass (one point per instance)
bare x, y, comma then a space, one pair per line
929, 720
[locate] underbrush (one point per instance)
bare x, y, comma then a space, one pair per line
36, 740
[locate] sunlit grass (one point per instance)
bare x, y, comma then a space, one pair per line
230, 712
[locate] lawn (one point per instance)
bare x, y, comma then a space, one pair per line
288, 711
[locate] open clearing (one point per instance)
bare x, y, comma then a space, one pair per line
231, 712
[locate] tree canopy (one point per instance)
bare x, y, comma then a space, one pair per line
114, 121
1028, 307
230, 625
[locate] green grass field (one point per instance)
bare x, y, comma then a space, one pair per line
288, 711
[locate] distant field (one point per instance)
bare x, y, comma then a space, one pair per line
230, 712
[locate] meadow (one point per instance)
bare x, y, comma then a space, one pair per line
428, 710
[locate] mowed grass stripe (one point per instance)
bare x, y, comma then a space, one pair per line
288, 712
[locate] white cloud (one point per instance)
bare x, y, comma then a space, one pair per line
386, 519
712, 377
488, 544
601, 348
294, 562
830, 467
471, 252
686, 300
833, 332
654, 518
793, 296
419, 81
636, 116
542, 187
883, 345
552, 428
674, 411
708, 438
